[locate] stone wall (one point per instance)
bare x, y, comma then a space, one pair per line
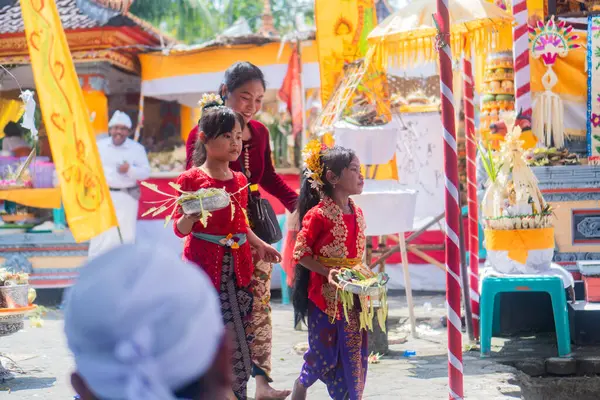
574, 192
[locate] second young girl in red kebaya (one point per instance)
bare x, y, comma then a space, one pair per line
221, 246
332, 237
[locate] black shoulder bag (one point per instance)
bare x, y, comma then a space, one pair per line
262, 217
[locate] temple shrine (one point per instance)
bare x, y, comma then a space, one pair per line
104, 39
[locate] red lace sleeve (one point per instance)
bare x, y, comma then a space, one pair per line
312, 226
184, 181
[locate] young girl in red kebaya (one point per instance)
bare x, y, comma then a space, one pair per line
222, 247
332, 237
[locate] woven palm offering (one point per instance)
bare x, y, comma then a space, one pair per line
518, 221
14, 289
371, 290
200, 202
16, 301
203, 200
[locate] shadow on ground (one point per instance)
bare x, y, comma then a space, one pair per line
27, 383
436, 366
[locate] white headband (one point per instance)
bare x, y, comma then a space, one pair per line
141, 323
120, 118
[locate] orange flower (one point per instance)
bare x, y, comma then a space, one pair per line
230, 242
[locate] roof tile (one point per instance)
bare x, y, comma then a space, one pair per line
73, 17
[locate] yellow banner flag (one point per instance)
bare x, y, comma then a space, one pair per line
85, 195
342, 30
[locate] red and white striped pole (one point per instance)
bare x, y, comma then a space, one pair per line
473, 240
521, 58
453, 280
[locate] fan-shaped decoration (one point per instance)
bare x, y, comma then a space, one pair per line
548, 42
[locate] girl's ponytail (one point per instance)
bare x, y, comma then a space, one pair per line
309, 198
199, 155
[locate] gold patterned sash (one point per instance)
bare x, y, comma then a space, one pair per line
339, 262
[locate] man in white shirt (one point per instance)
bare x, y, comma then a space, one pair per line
125, 163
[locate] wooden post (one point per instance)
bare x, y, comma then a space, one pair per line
407, 286
380, 248
465, 276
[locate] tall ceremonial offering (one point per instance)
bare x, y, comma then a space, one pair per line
85, 194
518, 221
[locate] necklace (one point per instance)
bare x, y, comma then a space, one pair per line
247, 161
221, 174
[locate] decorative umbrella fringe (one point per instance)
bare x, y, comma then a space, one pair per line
412, 51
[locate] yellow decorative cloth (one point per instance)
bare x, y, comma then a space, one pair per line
97, 103
189, 119
38, 198
570, 70
519, 242
10, 111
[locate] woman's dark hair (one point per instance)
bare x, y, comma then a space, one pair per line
215, 121
12, 129
239, 74
335, 159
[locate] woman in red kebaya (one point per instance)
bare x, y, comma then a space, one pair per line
243, 91
220, 244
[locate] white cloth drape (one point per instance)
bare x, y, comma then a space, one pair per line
126, 208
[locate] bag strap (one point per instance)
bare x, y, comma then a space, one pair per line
243, 169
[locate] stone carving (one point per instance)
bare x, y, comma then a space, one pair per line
572, 196
589, 227
573, 257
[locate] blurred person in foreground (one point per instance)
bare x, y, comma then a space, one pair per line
142, 324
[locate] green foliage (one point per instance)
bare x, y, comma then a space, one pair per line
491, 166
197, 21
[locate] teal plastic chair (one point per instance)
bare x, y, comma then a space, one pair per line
482, 251
490, 307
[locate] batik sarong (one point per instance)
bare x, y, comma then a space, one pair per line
337, 355
236, 307
260, 333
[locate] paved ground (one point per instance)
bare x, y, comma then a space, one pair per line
44, 362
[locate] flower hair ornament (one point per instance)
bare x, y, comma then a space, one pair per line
313, 164
210, 98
